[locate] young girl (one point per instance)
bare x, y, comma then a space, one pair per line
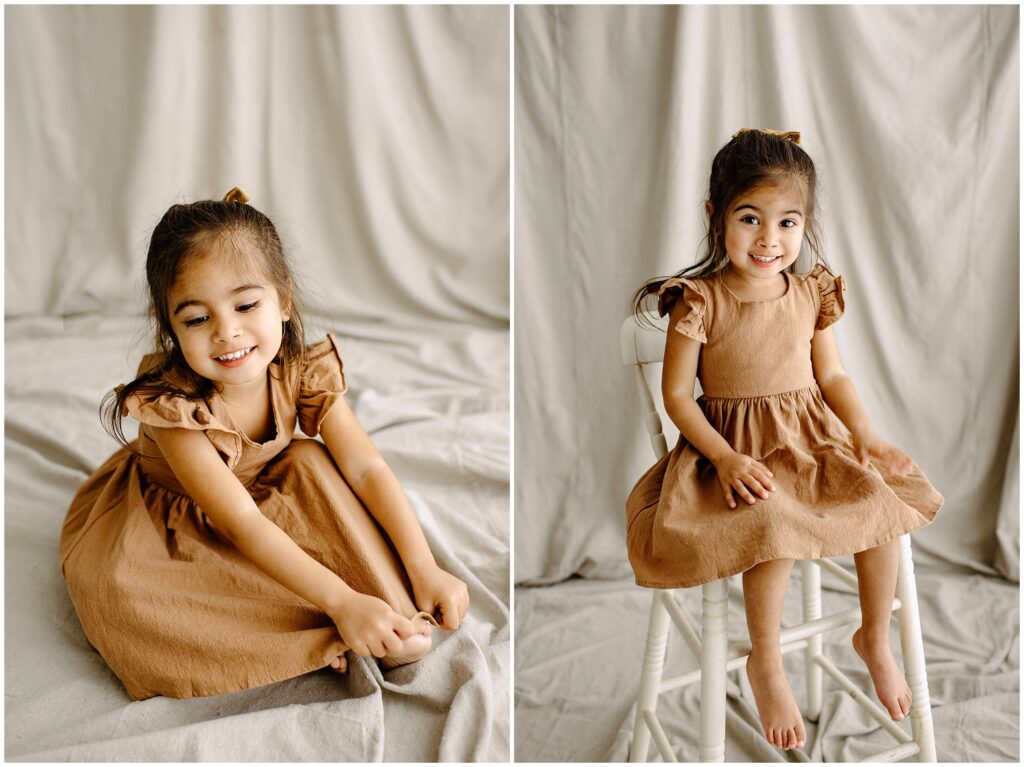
764, 472
216, 553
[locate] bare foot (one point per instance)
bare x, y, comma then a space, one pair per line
339, 664
780, 716
413, 648
890, 685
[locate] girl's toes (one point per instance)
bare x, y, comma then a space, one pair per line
339, 664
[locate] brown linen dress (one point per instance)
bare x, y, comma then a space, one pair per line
175, 609
761, 395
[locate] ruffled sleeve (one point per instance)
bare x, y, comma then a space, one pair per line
831, 302
169, 411
321, 384
691, 292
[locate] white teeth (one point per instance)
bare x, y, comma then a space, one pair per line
762, 259
235, 356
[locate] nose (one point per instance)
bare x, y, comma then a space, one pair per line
767, 237
225, 328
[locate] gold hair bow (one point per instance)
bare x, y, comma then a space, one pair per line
236, 195
791, 135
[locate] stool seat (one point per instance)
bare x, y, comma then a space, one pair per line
642, 344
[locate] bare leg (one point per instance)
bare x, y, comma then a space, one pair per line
877, 569
764, 592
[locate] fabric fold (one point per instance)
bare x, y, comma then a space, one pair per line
830, 296
692, 323
321, 384
171, 411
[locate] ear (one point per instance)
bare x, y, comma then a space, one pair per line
708, 208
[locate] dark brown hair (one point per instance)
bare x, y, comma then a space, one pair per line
193, 230
752, 158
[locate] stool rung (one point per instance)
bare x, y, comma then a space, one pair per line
734, 663
659, 736
811, 628
871, 708
894, 754
848, 578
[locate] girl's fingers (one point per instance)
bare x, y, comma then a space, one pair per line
759, 484
449, 613
392, 643
403, 627
729, 500
742, 490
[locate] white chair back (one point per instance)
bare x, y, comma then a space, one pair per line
641, 345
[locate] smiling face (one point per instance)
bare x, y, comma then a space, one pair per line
227, 319
764, 229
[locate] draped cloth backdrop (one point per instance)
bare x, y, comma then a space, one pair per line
377, 141
911, 116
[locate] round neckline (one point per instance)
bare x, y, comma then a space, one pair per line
789, 286
273, 410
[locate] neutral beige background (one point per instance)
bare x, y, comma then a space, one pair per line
377, 140
911, 116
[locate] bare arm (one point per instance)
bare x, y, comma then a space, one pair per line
365, 627
378, 488
736, 472
840, 395
678, 375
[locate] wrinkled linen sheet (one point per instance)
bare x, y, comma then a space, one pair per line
435, 401
579, 654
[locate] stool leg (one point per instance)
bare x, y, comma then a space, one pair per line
810, 577
650, 681
713, 656
913, 655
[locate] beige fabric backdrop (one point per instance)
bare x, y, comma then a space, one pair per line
911, 114
377, 140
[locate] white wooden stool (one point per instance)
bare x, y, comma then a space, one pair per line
642, 345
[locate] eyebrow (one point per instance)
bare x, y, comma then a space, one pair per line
194, 302
758, 210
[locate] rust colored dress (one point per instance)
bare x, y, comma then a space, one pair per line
176, 610
760, 394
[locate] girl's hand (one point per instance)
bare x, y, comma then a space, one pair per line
872, 446
442, 595
370, 627
738, 472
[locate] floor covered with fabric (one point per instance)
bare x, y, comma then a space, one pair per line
580, 646
435, 402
